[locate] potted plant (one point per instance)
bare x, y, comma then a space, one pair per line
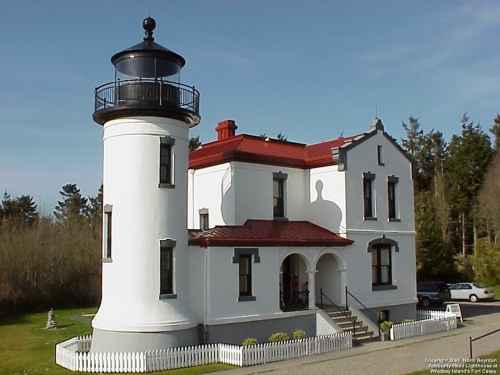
385, 329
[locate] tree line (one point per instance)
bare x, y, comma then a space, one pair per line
51, 260
457, 201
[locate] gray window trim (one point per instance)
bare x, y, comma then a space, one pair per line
246, 298
383, 287
383, 241
280, 176
168, 140
168, 242
168, 296
369, 176
246, 251
393, 179
107, 209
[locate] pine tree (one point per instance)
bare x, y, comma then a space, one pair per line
73, 206
194, 143
469, 156
94, 212
21, 210
281, 137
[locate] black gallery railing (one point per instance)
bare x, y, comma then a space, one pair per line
147, 93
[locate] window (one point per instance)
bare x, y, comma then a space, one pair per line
166, 270
379, 155
108, 225
279, 180
383, 315
368, 195
204, 224
391, 197
245, 275
166, 161
381, 265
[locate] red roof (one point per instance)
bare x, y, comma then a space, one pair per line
268, 233
254, 149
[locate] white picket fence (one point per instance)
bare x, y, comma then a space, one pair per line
429, 322
74, 354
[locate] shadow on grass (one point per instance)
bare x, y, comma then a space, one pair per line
13, 319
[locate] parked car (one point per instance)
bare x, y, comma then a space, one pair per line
471, 291
432, 293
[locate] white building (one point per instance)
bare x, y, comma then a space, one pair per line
278, 233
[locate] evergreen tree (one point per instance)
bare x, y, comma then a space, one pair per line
20, 210
194, 143
469, 156
281, 137
73, 206
94, 212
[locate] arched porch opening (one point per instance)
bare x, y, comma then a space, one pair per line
328, 284
294, 293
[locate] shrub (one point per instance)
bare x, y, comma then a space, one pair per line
385, 326
298, 334
249, 341
278, 336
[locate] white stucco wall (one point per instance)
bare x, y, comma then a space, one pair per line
142, 215
211, 188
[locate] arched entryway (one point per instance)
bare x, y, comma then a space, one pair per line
328, 282
294, 283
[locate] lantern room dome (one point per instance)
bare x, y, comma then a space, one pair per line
148, 59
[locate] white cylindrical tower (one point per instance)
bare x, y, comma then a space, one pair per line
146, 113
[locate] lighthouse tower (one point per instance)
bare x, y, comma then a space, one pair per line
146, 113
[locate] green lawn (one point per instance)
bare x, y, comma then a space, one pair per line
27, 348
495, 355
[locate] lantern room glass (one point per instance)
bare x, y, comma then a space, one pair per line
147, 67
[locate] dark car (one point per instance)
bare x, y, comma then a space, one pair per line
432, 293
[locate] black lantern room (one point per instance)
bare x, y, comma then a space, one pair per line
147, 83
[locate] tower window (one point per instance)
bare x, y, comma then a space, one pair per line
392, 197
166, 162
279, 180
245, 275
368, 179
166, 269
108, 225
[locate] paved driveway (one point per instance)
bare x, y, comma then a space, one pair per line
387, 358
471, 309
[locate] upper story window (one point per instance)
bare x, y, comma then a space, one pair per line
167, 267
166, 162
279, 182
380, 156
381, 265
392, 184
108, 225
369, 204
204, 222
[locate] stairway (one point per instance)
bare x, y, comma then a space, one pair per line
346, 321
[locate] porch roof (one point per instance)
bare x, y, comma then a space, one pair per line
267, 233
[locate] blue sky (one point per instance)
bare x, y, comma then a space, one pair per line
311, 69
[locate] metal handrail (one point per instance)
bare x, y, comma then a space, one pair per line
337, 308
158, 93
471, 339
368, 311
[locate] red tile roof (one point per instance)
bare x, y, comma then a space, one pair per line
254, 149
267, 233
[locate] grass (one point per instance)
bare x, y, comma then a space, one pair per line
26, 348
494, 355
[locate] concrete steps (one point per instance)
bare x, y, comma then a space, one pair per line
348, 322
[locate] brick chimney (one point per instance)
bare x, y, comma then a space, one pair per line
226, 129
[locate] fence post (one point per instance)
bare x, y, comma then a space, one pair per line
346, 304
470, 347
